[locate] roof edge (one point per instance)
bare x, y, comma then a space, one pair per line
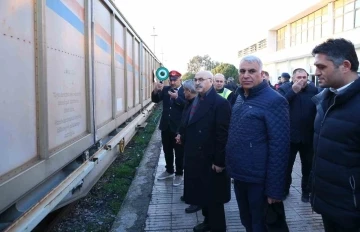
304, 13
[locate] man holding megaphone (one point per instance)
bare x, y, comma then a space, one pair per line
173, 104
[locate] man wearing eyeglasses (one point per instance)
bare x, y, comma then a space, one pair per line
258, 145
204, 137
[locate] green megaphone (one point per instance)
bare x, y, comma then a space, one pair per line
162, 74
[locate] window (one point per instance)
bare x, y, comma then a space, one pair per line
338, 16
349, 15
304, 30
349, 21
338, 25
317, 28
298, 32
324, 22
357, 13
280, 39
346, 16
339, 8
293, 34
357, 18
349, 6
311, 27
325, 29
325, 11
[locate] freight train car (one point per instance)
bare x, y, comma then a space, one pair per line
76, 82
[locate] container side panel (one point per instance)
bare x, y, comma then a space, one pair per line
103, 94
17, 90
143, 73
119, 67
65, 42
137, 72
130, 70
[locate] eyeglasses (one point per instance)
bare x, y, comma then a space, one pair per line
200, 79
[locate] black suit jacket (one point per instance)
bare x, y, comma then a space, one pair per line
172, 109
302, 112
205, 136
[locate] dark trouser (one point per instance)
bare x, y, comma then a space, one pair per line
331, 226
169, 145
251, 200
306, 157
214, 215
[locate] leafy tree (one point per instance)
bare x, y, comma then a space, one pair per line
228, 70
188, 76
198, 62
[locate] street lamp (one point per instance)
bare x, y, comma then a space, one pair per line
162, 56
154, 35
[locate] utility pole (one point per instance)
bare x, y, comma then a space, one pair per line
162, 56
154, 35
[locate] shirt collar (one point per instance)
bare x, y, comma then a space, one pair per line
207, 93
341, 89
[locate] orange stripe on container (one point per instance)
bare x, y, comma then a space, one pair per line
103, 34
75, 7
129, 60
119, 49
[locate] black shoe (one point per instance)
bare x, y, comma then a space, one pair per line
202, 227
182, 198
192, 209
305, 197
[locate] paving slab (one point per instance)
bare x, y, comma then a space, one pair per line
167, 213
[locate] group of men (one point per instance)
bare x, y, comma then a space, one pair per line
253, 134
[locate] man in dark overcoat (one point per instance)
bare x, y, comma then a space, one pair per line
335, 192
205, 135
173, 104
302, 112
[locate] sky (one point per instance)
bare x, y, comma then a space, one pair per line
218, 28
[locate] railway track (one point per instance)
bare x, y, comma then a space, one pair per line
51, 220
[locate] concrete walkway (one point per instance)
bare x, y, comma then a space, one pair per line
166, 211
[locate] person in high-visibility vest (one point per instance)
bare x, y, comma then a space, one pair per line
219, 82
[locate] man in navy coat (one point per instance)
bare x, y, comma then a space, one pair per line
335, 192
258, 145
173, 104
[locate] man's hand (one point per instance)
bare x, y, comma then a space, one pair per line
298, 85
174, 94
271, 201
178, 139
217, 169
158, 87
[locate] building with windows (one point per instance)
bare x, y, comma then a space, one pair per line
288, 45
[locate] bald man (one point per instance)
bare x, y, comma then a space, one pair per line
205, 134
219, 83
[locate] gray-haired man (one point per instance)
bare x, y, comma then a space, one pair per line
190, 94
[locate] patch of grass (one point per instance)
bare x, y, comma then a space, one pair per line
115, 206
126, 170
97, 211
